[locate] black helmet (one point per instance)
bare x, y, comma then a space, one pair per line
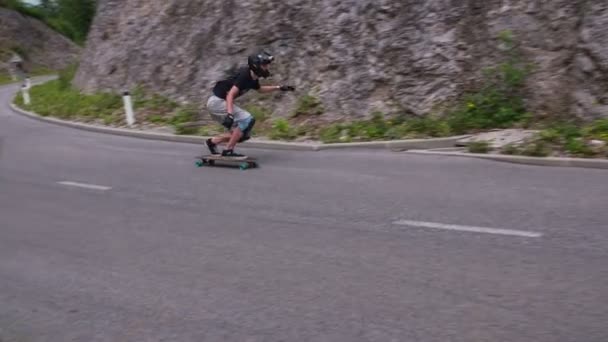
256, 60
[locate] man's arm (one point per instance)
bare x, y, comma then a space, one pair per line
230, 99
269, 88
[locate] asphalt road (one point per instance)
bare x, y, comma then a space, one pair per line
106, 238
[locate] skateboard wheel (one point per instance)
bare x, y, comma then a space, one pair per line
199, 163
244, 166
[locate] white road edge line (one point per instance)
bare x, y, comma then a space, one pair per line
86, 186
470, 229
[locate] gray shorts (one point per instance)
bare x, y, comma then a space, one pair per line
217, 109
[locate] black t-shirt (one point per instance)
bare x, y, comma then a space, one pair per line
241, 79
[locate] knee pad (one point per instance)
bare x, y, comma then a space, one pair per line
247, 132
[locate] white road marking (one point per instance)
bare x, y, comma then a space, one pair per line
470, 229
85, 185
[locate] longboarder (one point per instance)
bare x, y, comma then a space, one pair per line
237, 121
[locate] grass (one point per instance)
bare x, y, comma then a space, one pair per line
570, 139
282, 130
479, 147
5, 78
6, 52
53, 99
59, 99
381, 128
536, 149
308, 105
499, 101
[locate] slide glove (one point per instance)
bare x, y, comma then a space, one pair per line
287, 88
228, 121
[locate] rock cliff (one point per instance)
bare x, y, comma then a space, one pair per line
357, 56
37, 44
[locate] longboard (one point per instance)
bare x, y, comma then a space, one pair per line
244, 162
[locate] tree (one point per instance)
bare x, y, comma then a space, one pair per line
71, 18
49, 7
79, 14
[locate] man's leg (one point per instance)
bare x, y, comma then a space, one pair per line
242, 132
234, 138
221, 138
242, 128
217, 110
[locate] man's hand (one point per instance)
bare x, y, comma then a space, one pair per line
228, 121
287, 88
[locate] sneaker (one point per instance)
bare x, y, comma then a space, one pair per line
232, 154
212, 147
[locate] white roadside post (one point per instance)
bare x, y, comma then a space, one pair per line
25, 90
28, 83
128, 108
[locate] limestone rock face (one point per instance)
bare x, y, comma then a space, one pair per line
40, 45
356, 56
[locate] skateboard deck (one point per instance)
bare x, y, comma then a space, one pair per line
244, 162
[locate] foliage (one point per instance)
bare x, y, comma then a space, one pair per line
23, 8
66, 76
510, 149
380, 128
5, 78
282, 130
260, 114
72, 18
566, 138
58, 98
499, 103
536, 148
182, 116
479, 147
597, 130
308, 105
52, 98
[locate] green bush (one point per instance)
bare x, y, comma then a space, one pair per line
597, 130
398, 131
144, 99
428, 126
577, 147
380, 128
260, 114
160, 102
66, 76
510, 149
571, 138
5, 78
281, 130
183, 115
491, 108
536, 148
52, 98
499, 103
158, 119
308, 105
185, 130
551, 135
72, 18
22, 8
479, 147
331, 133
